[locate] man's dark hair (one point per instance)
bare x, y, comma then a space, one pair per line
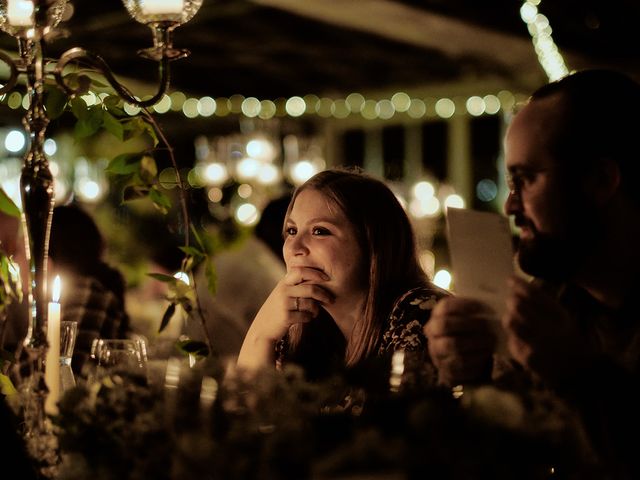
600, 120
269, 227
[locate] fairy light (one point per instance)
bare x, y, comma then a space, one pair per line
354, 104
442, 279
540, 30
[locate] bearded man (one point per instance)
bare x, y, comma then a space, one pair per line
573, 159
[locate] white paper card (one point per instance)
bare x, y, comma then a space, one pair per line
481, 255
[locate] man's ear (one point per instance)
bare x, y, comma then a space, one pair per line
604, 181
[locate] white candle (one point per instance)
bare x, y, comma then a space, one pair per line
20, 13
52, 362
162, 7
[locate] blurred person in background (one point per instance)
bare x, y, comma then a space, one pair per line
246, 273
92, 291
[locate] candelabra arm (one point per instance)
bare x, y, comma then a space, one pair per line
13, 73
97, 62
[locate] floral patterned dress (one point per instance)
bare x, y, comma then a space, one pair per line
410, 313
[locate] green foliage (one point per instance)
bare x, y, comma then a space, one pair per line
7, 206
277, 425
136, 172
194, 348
6, 385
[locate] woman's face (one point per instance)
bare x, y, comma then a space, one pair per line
319, 236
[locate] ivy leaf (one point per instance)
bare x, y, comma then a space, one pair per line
7, 206
198, 238
84, 83
193, 347
79, 108
148, 169
134, 128
112, 125
113, 104
211, 276
134, 192
193, 251
125, 164
171, 309
151, 131
6, 386
90, 123
160, 200
55, 103
162, 277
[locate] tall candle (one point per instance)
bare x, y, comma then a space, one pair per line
162, 7
52, 362
20, 13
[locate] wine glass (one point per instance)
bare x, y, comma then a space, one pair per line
121, 355
68, 334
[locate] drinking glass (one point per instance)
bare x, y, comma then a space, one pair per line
68, 334
128, 355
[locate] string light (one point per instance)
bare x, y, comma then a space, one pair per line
540, 30
399, 104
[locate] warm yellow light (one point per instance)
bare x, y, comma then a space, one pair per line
401, 101
20, 13
355, 102
454, 200
245, 190
424, 190
476, 106
417, 108
445, 108
247, 214
428, 262
268, 174
88, 190
424, 207
267, 109
164, 105
369, 109
491, 104
177, 100
302, 171
56, 289
182, 277
385, 109
215, 194
261, 149
14, 141
190, 108
206, 106
251, 107
442, 279
247, 168
295, 106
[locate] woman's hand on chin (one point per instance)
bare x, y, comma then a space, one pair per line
297, 298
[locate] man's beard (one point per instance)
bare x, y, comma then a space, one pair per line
549, 257
559, 257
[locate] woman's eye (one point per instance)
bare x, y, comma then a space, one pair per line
320, 231
291, 231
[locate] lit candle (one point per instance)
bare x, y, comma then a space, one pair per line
162, 7
52, 363
20, 13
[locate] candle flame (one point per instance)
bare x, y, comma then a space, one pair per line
56, 289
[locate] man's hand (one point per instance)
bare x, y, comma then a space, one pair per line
461, 340
541, 335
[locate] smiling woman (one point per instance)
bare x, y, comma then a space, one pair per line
354, 291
